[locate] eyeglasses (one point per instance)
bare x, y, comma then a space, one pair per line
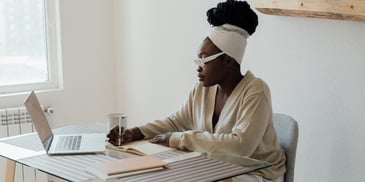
202, 61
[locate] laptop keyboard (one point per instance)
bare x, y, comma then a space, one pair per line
68, 143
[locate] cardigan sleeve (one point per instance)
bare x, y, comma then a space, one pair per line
248, 128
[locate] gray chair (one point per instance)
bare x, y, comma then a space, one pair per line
287, 132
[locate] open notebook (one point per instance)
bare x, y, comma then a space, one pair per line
140, 147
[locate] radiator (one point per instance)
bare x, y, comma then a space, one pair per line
16, 121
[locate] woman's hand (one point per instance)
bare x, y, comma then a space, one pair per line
116, 139
127, 135
162, 139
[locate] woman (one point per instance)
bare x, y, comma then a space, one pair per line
226, 112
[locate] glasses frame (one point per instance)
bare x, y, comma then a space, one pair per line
201, 61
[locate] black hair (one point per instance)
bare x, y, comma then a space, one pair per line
234, 12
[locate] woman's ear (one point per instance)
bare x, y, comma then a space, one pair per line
229, 60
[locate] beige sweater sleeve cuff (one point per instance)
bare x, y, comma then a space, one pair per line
175, 140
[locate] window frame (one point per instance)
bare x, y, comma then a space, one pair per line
54, 55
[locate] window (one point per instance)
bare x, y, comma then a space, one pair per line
30, 56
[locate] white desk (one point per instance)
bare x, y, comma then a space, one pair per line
27, 150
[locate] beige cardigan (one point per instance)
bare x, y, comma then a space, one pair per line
244, 128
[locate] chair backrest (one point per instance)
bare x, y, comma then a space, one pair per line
287, 132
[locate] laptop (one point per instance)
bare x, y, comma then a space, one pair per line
64, 143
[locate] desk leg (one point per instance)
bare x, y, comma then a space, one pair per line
10, 171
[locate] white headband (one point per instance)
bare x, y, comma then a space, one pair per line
231, 39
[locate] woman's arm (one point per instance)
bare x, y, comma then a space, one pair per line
253, 118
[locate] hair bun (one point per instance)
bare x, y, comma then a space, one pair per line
233, 12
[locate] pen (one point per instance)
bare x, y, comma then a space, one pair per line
120, 130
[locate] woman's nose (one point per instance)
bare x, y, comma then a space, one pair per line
199, 69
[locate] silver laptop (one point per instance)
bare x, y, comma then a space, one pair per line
65, 143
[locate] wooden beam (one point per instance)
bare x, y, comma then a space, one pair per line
331, 9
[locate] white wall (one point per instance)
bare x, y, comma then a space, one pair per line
88, 65
156, 44
313, 66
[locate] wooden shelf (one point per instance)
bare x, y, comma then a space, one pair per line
331, 9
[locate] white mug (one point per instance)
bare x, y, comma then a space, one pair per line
116, 119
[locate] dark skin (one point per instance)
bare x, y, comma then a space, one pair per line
224, 71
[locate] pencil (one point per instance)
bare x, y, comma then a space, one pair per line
120, 129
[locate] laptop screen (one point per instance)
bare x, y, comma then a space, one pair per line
39, 120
